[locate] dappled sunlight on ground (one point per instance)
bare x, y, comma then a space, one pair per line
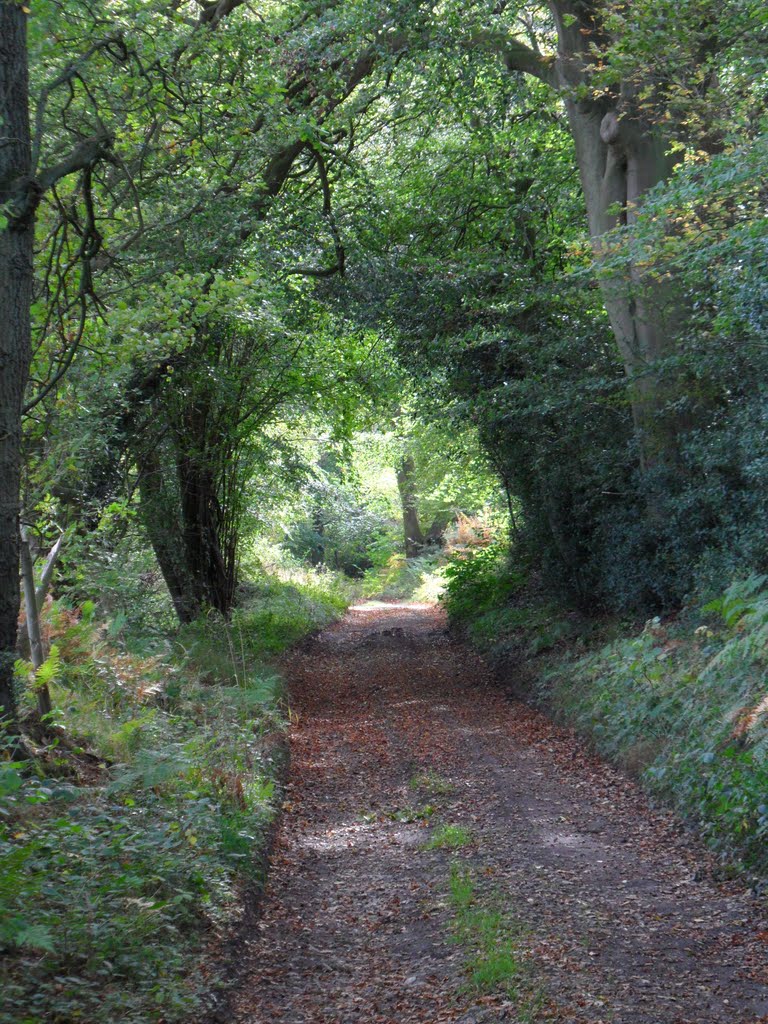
373, 606
402, 736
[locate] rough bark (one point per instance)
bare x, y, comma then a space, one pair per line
160, 519
211, 570
16, 250
406, 485
182, 513
439, 525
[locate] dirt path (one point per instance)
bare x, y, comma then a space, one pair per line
616, 915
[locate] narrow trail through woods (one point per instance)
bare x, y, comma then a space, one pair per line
618, 917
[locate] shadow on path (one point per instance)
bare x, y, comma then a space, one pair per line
356, 926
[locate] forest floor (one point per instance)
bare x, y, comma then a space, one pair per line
565, 897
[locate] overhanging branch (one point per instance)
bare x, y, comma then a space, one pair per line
517, 56
85, 154
213, 13
26, 193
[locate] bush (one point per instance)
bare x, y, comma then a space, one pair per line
480, 581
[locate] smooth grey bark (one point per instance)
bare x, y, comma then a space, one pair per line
620, 157
32, 610
16, 253
46, 576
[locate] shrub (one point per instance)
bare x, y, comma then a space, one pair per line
480, 581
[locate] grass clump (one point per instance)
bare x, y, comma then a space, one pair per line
432, 783
408, 815
449, 837
490, 936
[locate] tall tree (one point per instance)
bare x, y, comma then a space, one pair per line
16, 251
622, 151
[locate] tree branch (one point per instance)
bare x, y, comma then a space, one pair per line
47, 574
85, 154
26, 193
517, 56
341, 257
322, 171
213, 13
113, 44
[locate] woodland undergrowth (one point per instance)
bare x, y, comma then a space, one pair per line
126, 850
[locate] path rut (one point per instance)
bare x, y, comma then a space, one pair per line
620, 917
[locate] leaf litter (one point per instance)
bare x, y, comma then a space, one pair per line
624, 920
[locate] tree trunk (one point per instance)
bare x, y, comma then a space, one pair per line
213, 573
406, 485
32, 609
16, 270
619, 159
438, 527
165, 535
620, 156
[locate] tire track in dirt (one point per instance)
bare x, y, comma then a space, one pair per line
623, 922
